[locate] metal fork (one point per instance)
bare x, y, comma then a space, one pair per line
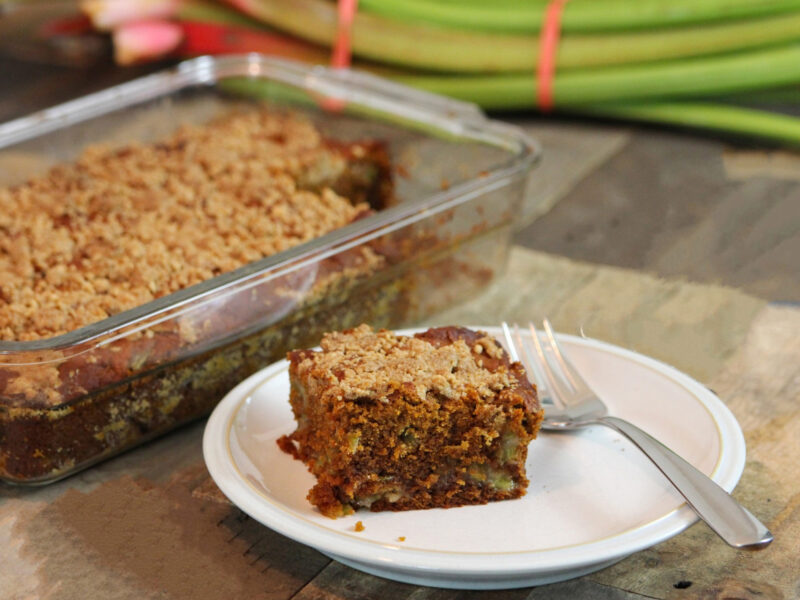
575, 405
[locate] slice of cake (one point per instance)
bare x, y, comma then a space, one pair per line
387, 422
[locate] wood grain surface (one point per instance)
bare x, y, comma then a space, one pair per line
667, 204
663, 242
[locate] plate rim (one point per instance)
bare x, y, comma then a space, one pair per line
393, 557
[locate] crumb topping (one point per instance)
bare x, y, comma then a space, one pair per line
362, 363
121, 227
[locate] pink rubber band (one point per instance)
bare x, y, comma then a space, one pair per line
342, 54
548, 49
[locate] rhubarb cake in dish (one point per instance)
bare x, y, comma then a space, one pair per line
141, 280
442, 418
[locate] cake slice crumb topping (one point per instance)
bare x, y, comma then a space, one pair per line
362, 363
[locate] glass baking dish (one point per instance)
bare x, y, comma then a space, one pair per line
69, 401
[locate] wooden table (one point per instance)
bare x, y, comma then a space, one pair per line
682, 247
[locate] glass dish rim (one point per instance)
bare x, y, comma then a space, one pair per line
352, 87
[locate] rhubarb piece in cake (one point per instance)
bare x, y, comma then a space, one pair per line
388, 422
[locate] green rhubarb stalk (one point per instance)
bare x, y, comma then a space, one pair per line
578, 15
735, 120
760, 69
418, 46
789, 95
652, 93
747, 122
617, 49
717, 117
205, 11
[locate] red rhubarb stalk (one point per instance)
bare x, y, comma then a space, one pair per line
145, 40
212, 38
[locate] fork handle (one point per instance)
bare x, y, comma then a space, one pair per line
729, 519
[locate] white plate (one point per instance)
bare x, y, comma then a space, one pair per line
593, 498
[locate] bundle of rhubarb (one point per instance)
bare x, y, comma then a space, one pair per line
697, 63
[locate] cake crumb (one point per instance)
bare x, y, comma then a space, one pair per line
402, 538
359, 526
